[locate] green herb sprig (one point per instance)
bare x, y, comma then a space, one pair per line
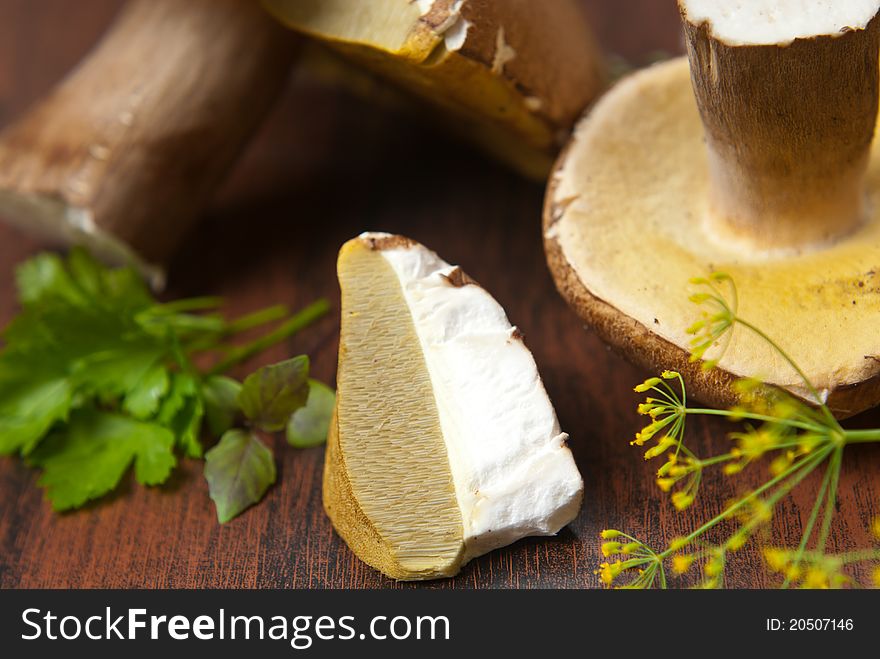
97, 376
791, 437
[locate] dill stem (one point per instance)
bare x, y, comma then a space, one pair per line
803, 376
786, 488
718, 459
836, 461
811, 522
730, 414
807, 464
710, 462
861, 436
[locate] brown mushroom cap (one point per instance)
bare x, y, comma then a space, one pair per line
510, 75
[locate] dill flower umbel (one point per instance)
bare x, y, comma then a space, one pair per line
641, 566
792, 438
681, 563
717, 318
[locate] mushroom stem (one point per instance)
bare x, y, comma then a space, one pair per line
125, 152
789, 111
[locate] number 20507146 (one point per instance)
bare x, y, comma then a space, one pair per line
810, 624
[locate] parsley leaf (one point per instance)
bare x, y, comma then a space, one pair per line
182, 412
44, 276
239, 470
144, 398
34, 395
96, 375
87, 458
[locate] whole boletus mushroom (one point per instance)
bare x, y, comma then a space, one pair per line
755, 160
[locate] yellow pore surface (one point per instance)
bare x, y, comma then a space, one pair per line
388, 437
634, 188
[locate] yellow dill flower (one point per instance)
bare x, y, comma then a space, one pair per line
608, 572
745, 386
761, 511
700, 298
793, 572
840, 580
737, 541
610, 548
665, 484
662, 446
697, 326
713, 567
682, 500
876, 576
647, 433
816, 578
708, 365
647, 385
780, 464
646, 409
875, 527
610, 534
806, 446
709, 584
681, 563
786, 407
733, 468
776, 559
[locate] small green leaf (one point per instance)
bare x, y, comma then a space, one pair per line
34, 395
271, 395
182, 412
45, 276
309, 425
86, 459
187, 426
87, 272
119, 369
220, 394
143, 400
239, 470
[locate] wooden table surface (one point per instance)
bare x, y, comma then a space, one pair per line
325, 167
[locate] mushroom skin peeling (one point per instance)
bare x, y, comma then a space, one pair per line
444, 445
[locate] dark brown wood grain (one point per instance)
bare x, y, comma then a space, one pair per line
325, 167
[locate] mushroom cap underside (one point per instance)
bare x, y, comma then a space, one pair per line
625, 232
